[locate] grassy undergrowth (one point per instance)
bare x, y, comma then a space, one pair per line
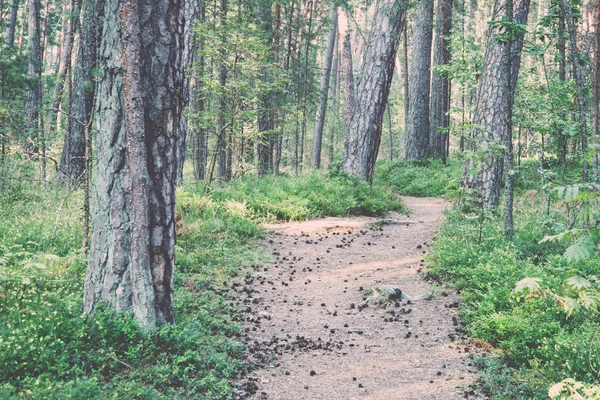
533, 342
48, 350
429, 178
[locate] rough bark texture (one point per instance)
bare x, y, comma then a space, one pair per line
362, 140
417, 133
489, 118
440, 85
348, 78
72, 160
580, 83
324, 89
139, 105
34, 72
12, 23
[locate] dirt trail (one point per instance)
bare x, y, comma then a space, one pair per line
304, 313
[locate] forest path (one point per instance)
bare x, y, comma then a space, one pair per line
304, 308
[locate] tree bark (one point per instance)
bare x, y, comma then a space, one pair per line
324, 90
131, 258
66, 53
334, 96
221, 129
440, 86
72, 160
34, 71
509, 186
489, 118
348, 78
595, 86
417, 134
198, 97
12, 23
361, 143
191, 13
580, 83
265, 120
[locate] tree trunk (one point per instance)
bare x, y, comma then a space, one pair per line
34, 71
362, 140
72, 161
66, 53
440, 86
265, 121
131, 258
509, 186
348, 78
596, 89
580, 83
324, 90
191, 13
417, 134
489, 119
198, 97
334, 96
278, 137
12, 23
221, 129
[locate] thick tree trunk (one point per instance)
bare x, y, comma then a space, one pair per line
34, 71
440, 86
348, 78
489, 119
324, 90
131, 259
72, 161
580, 83
361, 143
417, 134
12, 23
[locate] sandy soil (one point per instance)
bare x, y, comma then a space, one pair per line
312, 340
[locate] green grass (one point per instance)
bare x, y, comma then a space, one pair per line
430, 178
540, 343
49, 350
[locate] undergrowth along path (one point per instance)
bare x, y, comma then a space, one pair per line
313, 340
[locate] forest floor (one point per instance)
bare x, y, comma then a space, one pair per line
312, 339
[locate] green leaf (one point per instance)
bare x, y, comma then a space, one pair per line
582, 249
528, 285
